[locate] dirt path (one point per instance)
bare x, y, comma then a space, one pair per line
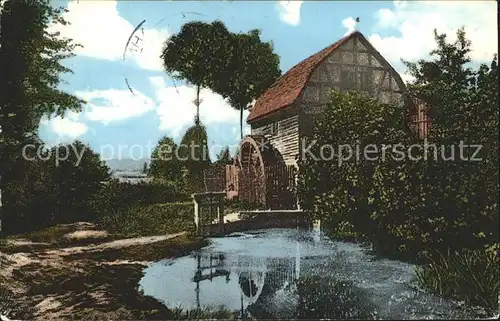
53, 282
116, 244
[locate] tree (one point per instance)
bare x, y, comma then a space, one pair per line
197, 54
194, 155
30, 61
55, 190
76, 182
145, 168
252, 67
224, 157
464, 103
164, 161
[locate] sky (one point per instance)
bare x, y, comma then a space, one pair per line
117, 123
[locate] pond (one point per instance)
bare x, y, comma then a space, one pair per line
292, 273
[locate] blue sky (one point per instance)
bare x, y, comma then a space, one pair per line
117, 123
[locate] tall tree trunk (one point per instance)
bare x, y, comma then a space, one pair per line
197, 102
241, 122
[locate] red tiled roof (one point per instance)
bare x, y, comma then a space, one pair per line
289, 86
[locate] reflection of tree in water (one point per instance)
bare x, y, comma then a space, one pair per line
322, 297
248, 285
277, 298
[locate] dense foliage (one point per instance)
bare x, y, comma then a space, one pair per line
31, 65
164, 161
253, 67
120, 196
53, 190
423, 206
194, 155
197, 53
39, 188
154, 219
224, 157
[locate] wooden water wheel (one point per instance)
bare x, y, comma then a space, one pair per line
263, 178
250, 160
255, 158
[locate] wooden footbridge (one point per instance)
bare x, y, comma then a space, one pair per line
210, 220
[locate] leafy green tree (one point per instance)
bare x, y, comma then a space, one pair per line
252, 67
464, 111
60, 185
31, 64
194, 155
336, 183
165, 163
197, 54
224, 157
37, 192
77, 181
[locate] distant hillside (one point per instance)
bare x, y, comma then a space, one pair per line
126, 164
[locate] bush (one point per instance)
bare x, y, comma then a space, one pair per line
42, 193
122, 196
465, 275
155, 219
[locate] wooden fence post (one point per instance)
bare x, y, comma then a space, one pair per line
196, 214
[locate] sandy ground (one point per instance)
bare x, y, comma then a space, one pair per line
49, 307
112, 245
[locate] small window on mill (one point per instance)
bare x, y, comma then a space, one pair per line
365, 80
274, 128
348, 79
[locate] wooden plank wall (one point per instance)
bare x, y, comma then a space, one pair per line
285, 137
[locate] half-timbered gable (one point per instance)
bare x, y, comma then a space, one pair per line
286, 111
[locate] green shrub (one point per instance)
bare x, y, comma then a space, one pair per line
236, 205
154, 219
465, 275
41, 193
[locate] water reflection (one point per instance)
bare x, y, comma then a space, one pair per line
287, 273
258, 282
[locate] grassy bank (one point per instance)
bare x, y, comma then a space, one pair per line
153, 219
466, 275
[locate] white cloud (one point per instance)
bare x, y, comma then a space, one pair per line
157, 81
111, 105
152, 46
350, 24
103, 33
174, 107
177, 110
415, 22
65, 128
290, 11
